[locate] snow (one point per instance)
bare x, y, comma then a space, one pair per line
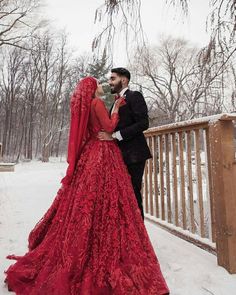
186, 233
25, 195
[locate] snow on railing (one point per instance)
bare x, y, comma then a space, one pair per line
189, 185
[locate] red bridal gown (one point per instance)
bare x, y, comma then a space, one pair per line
92, 240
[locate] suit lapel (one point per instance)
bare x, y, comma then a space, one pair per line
126, 92
111, 108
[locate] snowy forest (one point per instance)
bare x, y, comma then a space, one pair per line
39, 70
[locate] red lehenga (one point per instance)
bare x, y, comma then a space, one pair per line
92, 240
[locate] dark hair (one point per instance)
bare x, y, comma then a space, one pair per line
121, 72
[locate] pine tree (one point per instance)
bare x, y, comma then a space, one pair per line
99, 69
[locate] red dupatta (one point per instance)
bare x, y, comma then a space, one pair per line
80, 110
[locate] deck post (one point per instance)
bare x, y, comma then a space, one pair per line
223, 165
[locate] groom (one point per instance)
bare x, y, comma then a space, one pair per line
129, 131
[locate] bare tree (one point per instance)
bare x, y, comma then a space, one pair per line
16, 21
36, 86
221, 23
232, 79
32, 84
50, 60
177, 82
118, 17
11, 98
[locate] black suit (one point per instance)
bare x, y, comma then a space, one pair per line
133, 121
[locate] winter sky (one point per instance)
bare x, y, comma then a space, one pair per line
77, 18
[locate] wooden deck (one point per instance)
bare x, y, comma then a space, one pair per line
189, 185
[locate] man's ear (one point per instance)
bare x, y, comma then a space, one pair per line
125, 81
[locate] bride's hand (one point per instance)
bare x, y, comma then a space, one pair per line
119, 102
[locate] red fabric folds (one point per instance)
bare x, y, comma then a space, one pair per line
96, 243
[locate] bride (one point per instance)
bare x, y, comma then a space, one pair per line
92, 240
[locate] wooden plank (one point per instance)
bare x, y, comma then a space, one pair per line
161, 172
209, 183
150, 175
190, 180
167, 174
199, 181
224, 191
156, 195
182, 179
146, 188
185, 236
1, 158
162, 131
174, 177
7, 167
183, 126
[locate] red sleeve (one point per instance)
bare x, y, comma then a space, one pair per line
107, 123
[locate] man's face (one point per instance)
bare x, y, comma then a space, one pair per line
115, 83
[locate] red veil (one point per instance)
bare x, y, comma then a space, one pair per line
80, 109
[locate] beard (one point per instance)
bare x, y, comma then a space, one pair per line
117, 88
113, 91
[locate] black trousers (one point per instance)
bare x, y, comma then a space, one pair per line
136, 172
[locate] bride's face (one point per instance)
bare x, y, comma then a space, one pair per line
99, 90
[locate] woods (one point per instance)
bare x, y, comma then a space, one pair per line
39, 70
36, 86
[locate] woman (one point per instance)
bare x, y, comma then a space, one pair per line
92, 240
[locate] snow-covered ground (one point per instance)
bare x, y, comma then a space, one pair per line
25, 195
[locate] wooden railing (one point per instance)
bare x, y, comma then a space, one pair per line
1, 152
189, 185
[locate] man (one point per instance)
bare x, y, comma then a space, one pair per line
129, 131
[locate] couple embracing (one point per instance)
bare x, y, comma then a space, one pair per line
92, 240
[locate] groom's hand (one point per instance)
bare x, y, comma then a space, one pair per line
103, 135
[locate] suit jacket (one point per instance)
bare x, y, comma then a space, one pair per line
133, 121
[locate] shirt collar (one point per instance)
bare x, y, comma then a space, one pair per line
123, 91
